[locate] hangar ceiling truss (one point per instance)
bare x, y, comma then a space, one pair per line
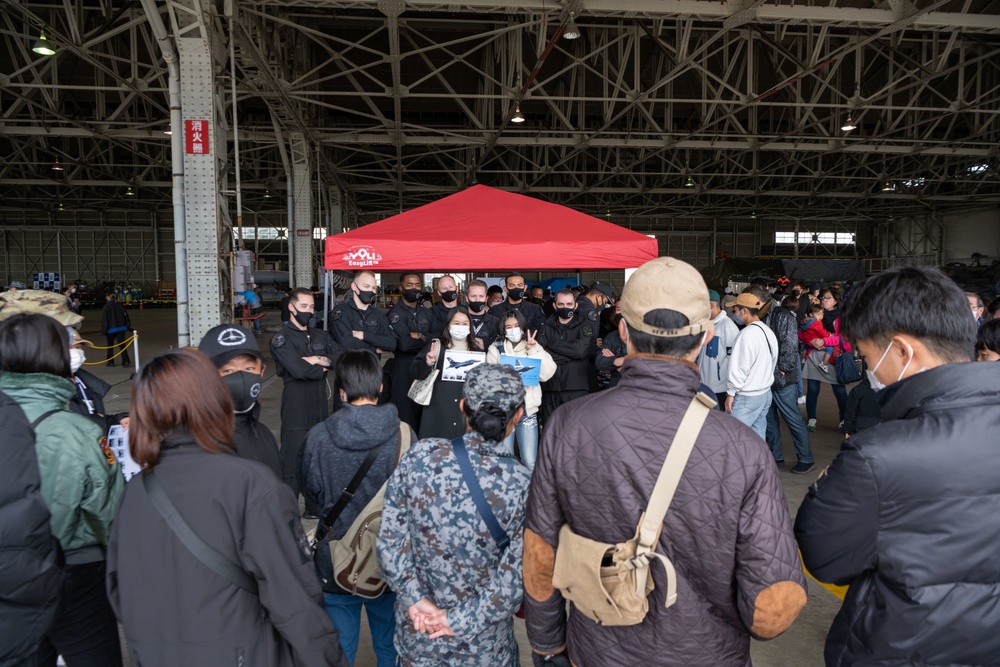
661, 110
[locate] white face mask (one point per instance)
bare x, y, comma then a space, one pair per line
76, 359
458, 331
514, 335
874, 381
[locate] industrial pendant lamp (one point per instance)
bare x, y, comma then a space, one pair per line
888, 186
849, 124
572, 30
689, 183
518, 117
42, 47
130, 192
56, 166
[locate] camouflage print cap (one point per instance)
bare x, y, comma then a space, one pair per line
38, 301
494, 383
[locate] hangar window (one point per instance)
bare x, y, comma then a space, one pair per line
822, 238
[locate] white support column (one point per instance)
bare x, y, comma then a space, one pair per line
301, 227
200, 185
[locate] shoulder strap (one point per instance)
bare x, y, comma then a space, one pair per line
43, 417
211, 558
670, 473
347, 495
476, 491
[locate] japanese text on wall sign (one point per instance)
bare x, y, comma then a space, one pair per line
196, 137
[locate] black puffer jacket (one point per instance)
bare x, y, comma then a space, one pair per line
30, 577
333, 452
907, 514
727, 531
786, 330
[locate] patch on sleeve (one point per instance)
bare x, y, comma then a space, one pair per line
593, 315
587, 331
301, 540
278, 340
106, 449
393, 318
336, 314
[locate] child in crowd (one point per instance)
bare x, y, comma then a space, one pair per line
811, 329
863, 409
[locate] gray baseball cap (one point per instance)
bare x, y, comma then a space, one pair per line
496, 384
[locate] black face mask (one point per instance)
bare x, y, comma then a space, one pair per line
303, 317
411, 295
515, 294
565, 313
366, 296
449, 296
244, 388
477, 306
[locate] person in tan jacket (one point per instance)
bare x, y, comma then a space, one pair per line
727, 530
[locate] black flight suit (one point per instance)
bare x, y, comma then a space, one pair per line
573, 347
532, 313
485, 327
439, 315
587, 310
255, 441
304, 399
403, 319
346, 318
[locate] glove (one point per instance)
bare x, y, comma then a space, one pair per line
554, 660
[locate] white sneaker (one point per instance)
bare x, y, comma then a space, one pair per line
811, 425
802, 400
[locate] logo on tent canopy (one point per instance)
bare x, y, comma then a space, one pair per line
361, 256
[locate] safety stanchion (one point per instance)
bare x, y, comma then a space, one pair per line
135, 348
123, 345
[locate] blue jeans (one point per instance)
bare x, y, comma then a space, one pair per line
752, 411
839, 392
526, 433
345, 612
785, 401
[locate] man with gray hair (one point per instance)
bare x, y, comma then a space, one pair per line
727, 532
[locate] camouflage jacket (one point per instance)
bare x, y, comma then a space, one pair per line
432, 543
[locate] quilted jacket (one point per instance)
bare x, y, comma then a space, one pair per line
786, 330
727, 531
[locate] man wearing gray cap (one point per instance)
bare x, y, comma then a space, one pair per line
735, 570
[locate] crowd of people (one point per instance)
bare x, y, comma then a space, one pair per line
485, 457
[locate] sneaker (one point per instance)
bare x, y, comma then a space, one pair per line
801, 468
823, 367
802, 400
811, 425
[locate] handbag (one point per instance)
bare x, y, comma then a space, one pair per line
421, 391
847, 368
610, 583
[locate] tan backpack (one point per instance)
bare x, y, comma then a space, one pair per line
610, 583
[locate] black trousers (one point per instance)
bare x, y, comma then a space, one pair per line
553, 399
114, 339
85, 631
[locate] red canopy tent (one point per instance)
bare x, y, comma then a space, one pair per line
484, 229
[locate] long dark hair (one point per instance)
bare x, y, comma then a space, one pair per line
521, 322
830, 317
446, 340
179, 390
34, 343
490, 420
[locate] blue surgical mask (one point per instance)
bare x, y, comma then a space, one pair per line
739, 318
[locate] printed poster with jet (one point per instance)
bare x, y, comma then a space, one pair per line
118, 441
457, 364
528, 368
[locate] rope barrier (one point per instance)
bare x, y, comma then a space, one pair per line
124, 349
111, 347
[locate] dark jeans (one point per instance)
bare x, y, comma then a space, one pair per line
839, 391
721, 400
114, 339
785, 401
85, 631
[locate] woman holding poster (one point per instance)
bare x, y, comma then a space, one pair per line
453, 357
518, 348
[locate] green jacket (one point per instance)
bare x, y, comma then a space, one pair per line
81, 480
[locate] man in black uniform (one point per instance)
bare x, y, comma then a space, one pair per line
302, 356
572, 342
412, 325
355, 324
516, 301
448, 291
235, 352
485, 327
589, 307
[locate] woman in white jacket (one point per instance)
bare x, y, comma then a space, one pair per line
516, 341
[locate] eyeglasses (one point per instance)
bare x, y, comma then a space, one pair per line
827, 298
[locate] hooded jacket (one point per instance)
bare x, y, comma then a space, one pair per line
30, 577
177, 611
81, 480
727, 531
333, 452
907, 516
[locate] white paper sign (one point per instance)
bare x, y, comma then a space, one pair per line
457, 364
118, 441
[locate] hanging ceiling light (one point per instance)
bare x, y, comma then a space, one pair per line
56, 166
518, 117
849, 124
888, 186
130, 192
267, 194
43, 48
168, 131
572, 30
689, 183
61, 207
